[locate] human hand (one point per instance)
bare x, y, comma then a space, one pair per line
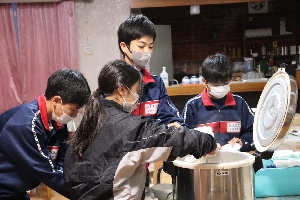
235, 140
219, 147
176, 124
213, 153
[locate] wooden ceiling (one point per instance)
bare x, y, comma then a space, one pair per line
27, 1
168, 3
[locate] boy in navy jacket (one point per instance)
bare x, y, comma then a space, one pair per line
136, 36
227, 114
34, 136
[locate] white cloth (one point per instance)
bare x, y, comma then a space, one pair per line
205, 129
229, 147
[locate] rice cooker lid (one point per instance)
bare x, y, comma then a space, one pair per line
275, 111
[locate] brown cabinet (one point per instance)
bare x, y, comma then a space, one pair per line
194, 37
284, 30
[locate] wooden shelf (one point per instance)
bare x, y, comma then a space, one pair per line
276, 56
167, 3
209, 40
273, 37
194, 89
298, 79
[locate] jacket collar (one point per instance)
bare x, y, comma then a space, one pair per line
147, 77
229, 101
44, 114
111, 103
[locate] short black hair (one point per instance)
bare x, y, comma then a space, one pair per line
135, 27
70, 85
217, 69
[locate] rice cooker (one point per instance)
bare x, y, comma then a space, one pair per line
230, 175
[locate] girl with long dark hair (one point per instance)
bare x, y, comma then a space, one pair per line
107, 156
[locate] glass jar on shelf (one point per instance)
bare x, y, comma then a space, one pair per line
229, 53
233, 55
239, 52
263, 50
224, 50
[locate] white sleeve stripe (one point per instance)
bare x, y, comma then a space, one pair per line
250, 111
185, 107
37, 140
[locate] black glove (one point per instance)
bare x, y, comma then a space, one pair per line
258, 164
207, 143
267, 155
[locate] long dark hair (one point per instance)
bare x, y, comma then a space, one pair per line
113, 75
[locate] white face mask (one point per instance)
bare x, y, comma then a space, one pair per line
219, 91
63, 119
130, 106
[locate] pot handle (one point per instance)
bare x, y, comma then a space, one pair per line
158, 174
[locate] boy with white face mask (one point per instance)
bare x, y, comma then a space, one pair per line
136, 36
227, 114
34, 137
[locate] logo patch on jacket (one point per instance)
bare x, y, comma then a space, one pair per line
53, 150
148, 108
224, 126
233, 127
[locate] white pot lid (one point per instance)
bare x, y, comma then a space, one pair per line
275, 111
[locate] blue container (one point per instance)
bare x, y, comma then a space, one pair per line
277, 182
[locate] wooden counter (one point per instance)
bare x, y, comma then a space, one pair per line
297, 77
235, 86
194, 89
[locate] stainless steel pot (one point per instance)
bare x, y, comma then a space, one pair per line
228, 175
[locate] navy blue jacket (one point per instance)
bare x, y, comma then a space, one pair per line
155, 102
29, 152
233, 119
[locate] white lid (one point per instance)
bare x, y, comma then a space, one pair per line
275, 111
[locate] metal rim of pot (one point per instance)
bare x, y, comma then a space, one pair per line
242, 159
